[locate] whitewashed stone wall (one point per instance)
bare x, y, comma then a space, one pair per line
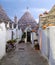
39, 37
2, 40
14, 33
33, 37
8, 34
44, 48
52, 45
19, 34
48, 44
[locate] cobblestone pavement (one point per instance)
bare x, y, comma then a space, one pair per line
24, 54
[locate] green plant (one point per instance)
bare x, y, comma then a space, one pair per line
24, 35
11, 41
14, 41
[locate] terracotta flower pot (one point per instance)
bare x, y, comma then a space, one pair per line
37, 47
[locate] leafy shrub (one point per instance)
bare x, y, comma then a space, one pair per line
10, 45
11, 41
24, 35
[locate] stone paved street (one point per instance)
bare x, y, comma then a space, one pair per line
24, 54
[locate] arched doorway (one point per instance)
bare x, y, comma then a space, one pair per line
28, 36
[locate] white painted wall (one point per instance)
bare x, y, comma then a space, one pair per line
40, 37
8, 34
33, 37
14, 33
19, 33
48, 44
44, 48
2, 39
52, 45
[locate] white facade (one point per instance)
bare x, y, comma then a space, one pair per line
19, 34
52, 45
8, 34
48, 43
33, 35
2, 40
44, 48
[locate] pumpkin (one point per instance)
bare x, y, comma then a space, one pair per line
44, 26
50, 24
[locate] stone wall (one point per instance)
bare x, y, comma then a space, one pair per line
52, 45
8, 35
48, 43
2, 40
5, 35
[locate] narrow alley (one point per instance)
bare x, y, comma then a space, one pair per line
24, 54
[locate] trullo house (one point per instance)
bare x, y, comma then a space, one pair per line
28, 25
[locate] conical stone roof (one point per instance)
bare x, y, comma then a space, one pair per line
25, 20
52, 11
48, 18
3, 15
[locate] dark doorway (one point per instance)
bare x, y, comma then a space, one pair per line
28, 36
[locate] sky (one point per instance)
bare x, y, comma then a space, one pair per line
18, 7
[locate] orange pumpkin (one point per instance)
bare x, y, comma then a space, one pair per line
50, 24
45, 12
44, 26
33, 30
41, 15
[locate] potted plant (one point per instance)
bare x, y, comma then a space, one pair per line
36, 46
10, 45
